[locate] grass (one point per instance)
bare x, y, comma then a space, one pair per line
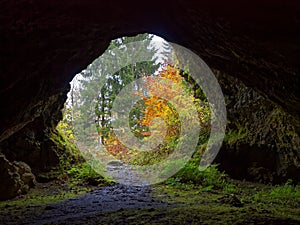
209, 179
192, 197
44, 194
83, 174
190, 204
287, 194
73, 169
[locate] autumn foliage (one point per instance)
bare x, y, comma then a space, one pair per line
163, 89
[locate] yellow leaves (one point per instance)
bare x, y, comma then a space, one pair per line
172, 73
160, 89
168, 83
116, 148
155, 107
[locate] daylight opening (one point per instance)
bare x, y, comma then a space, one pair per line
136, 106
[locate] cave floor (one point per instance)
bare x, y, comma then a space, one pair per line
55, 203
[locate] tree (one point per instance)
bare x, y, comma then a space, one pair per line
94, 104
91, 106
155, 106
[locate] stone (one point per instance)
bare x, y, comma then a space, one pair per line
45, 43
115, 163
16, 178
261, 143
25, 173
231, 199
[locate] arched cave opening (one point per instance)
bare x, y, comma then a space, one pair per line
255, 151
253, 62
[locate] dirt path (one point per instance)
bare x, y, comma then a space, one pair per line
72, 210
100, 200
160, 204
107, 199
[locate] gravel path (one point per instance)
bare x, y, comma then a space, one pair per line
106, 199
77, 210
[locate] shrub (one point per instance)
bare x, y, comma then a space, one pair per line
280, 194
210, 178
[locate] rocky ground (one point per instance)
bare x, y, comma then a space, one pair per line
56, 203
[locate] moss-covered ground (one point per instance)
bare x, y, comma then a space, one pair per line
244, 203
189, 197
191, 205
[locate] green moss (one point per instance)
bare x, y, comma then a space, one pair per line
72, 167
67, 150
286, 194
38, 198
191, 205
83, 173
233, 137
197, 207
208, 179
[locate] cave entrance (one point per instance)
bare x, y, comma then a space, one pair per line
118, 112
108, 79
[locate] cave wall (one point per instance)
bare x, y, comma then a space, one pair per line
262, 141
32, 144
43, 44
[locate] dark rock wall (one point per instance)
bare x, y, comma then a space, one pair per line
31, 144
43, 44
262, 141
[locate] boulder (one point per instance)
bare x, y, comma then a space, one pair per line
16, 178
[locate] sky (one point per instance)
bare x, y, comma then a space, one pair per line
157, 42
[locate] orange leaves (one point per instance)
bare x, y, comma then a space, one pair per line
162, 88
116, 148
155, 107
167, 83
167, 99
144, 133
